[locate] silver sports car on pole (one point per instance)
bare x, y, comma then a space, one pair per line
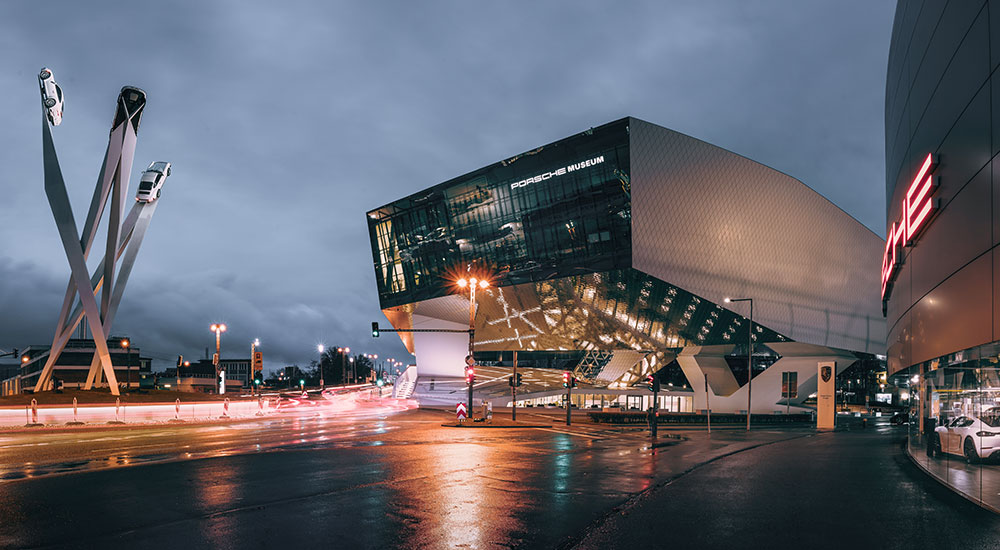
52, 96
152, 181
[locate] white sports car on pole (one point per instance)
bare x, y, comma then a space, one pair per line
52, 96
152, 181
970, 436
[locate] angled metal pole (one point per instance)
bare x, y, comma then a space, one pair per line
55, 190
96, 282
97, 203
117, 162
118, 196
133, 232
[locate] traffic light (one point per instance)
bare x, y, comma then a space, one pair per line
374, 330
515, 380
258, 378
180, 361
567, 377
572, 381
380, 382
653, 383
470, 375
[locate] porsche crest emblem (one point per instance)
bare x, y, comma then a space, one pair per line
826, 372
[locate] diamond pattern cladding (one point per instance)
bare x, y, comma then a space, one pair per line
717, 224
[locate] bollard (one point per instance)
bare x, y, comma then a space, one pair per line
34, 411
117, 420
76, 421
260, 405
225, 408
177, 409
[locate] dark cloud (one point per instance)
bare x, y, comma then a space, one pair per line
287, 121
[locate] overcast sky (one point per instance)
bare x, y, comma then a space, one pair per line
287, 121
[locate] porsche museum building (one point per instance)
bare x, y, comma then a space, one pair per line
610, 253
940, 284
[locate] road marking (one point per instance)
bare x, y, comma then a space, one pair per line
571, 433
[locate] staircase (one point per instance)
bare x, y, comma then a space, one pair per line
403, 388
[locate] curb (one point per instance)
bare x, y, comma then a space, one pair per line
496, 426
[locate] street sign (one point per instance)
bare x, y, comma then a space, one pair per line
461, 412
469, 360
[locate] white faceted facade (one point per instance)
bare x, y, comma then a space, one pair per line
627, 259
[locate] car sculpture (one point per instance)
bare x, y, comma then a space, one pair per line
970, 436
152, 181
52, 96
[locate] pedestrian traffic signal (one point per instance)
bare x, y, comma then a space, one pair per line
374, 330
470, 375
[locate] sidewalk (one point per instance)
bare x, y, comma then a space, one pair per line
832, 490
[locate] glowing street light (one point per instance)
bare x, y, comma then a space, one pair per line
128, 364
320, 349
218, 329
471, 284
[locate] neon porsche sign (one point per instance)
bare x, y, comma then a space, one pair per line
918, 208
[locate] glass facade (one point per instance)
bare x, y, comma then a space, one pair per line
954, 420
559, 210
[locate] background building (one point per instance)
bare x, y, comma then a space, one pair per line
615, 248
942, 301
200, 376
74, 363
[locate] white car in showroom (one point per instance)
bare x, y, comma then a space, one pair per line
152, 181
52, 96
969, 436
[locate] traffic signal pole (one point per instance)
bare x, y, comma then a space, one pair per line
653, 415
569, 403
513, 391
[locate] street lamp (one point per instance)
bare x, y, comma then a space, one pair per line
320, 349
128, 364
749, 352
471, 284
218, 329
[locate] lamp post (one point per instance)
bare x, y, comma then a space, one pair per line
128, 364
749, 352
218, 329
320, 348
471, 283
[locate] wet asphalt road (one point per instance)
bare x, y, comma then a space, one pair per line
384, 479
362, 481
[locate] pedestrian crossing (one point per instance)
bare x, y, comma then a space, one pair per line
594, 432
